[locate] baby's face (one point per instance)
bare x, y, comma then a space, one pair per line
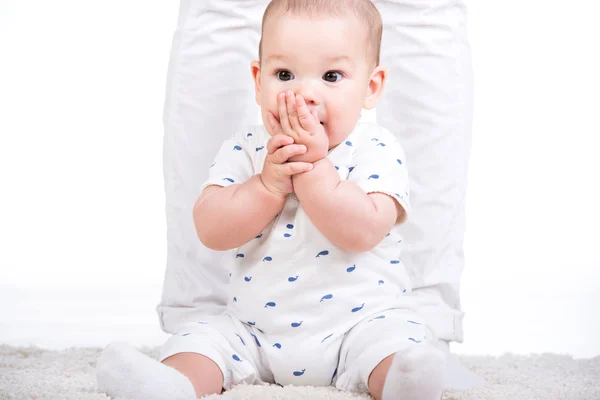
324, 60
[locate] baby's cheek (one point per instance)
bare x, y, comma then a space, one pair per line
271, 104
268, 105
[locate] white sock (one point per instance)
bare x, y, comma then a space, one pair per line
416, 374
123, 371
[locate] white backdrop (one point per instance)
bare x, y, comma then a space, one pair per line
82, 225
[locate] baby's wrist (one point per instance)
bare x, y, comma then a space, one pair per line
319, 168
268, 190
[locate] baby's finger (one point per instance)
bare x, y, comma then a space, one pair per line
305, 116
290, 100
293, 168
283, 115
279, 129
273, 124
277, 142
283, 154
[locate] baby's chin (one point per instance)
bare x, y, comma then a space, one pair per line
336, 137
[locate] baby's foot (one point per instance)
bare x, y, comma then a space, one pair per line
122, 371
416, 374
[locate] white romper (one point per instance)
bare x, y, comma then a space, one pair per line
301, 310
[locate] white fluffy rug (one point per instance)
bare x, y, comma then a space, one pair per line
33, 373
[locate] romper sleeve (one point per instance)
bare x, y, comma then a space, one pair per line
233, 163
379, 166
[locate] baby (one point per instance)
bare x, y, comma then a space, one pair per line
311, 201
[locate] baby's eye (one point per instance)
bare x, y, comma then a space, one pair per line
284, 75
333, 76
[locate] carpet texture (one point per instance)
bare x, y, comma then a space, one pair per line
34, 373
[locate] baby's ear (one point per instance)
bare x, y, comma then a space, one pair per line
255, 69
376, 83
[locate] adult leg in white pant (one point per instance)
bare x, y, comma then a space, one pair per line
209, 96
428, 104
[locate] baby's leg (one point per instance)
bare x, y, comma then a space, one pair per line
122, 371
413, 374
204, 374
392, 355
204, 357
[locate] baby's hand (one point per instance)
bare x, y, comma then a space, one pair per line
297, 122
277, 171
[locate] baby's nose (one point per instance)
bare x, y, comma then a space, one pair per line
309, 94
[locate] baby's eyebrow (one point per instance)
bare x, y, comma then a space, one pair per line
273, 57
345, 58
340, 58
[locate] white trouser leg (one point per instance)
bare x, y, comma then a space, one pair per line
428, 103
209, 96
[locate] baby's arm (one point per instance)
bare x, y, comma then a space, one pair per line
227, 217
353, 216
342, 211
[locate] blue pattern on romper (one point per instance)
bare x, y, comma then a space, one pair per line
326, 297
326, 337
256, 340
355, 309
241, 340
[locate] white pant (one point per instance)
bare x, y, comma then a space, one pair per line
427, 103
247, 355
